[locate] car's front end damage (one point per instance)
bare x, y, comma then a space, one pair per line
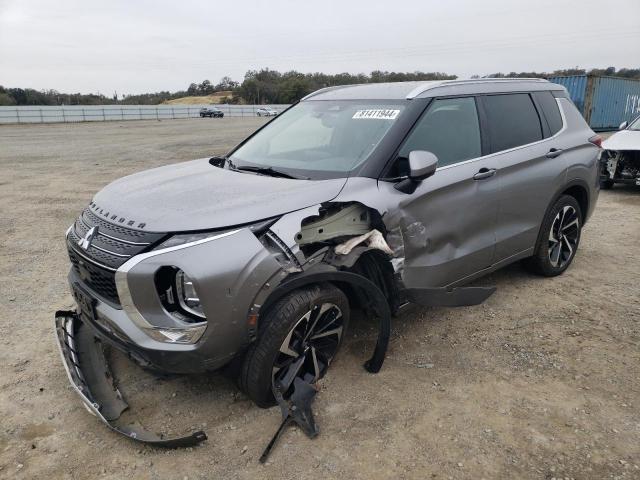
89, 373
620, 166
192, 302
620, 160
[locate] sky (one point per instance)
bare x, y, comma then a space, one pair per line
136, 46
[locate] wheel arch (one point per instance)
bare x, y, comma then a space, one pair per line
356, 287
579, 190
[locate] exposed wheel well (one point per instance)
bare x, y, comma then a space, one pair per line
376, 267
582, 197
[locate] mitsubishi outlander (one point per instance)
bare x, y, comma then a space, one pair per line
357, 197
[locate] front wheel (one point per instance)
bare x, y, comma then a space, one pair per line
299, 335
558, 239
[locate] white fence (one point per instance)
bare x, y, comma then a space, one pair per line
103, 113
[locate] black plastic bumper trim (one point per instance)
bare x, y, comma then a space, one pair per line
89, 373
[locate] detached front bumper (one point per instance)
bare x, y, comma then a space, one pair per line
89, 373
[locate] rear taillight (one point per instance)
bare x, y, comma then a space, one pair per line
596, 140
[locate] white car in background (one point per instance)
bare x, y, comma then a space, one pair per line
266, 112
621, 156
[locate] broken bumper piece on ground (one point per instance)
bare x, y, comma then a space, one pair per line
89, 373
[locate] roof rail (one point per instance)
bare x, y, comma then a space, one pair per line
324, 90
427, 86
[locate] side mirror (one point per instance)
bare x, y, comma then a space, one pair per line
422, 164
623, 125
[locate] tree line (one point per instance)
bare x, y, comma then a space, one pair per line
269, 86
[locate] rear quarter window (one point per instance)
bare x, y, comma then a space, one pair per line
512, 120
550, 110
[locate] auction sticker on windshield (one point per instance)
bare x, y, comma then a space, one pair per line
377, 114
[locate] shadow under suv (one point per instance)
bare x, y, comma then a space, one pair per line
357, 197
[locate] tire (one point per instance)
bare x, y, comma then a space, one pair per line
559, 238
280, 331
606, 184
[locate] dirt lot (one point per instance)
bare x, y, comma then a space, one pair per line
541, 381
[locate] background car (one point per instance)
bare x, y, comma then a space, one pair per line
211, 112
620, 161
266, 112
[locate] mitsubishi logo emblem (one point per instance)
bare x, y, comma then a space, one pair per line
85, 242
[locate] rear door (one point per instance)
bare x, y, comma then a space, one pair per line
525, 148
449, 221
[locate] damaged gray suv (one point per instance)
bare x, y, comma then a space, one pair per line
362, 197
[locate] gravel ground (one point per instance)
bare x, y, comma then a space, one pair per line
541, 381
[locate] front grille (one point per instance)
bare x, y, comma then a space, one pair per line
98, 279
111, 246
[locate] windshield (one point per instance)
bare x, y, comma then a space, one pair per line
320, 139
635, 125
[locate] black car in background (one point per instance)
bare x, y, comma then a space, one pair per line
211, 112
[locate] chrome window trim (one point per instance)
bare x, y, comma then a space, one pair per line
519, 147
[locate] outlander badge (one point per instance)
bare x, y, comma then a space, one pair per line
85, 242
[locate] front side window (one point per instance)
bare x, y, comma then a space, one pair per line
513, 120
320, 139
449, 129
635, 125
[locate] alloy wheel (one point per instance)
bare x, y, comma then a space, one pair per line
563, 237
309, 346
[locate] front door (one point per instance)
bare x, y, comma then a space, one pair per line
448, 223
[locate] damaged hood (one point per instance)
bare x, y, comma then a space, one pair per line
624, 140
198, 196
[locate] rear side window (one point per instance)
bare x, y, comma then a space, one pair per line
513, 120
449, 129
550, 109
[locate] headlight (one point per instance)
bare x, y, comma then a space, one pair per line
187, 295
179, 296
257, 228
176, 240
189, 325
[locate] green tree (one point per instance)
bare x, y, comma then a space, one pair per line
6, 99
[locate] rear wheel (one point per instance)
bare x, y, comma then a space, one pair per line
300, 334
559, 238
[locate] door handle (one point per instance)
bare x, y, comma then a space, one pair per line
554, 152
484, 173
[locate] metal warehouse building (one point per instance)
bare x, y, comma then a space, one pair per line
605, 102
